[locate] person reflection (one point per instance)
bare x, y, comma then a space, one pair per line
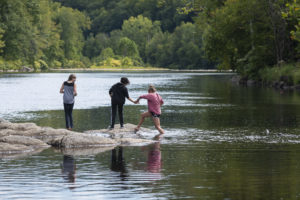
154, 158
69, 168
118, 163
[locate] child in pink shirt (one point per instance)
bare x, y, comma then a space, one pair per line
154, 103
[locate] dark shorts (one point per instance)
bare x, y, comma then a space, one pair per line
155, 115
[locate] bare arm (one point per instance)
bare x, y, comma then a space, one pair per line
75, 90
130, 99
137, 101
61, 89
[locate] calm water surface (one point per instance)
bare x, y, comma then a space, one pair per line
222, 141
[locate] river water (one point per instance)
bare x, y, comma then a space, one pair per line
222, 141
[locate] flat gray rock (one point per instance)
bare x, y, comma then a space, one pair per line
23, 140
6, 148
128, 129
28, 137
81, 140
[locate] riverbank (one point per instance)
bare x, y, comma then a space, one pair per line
99, 69
285, 77
140, 69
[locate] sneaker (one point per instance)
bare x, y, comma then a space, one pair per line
122, 126
110, 128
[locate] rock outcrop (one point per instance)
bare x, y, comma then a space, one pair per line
28, 137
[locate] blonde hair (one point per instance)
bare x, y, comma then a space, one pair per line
151, 89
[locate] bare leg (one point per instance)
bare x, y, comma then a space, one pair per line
143, 116
156, 121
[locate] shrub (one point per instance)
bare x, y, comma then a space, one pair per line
126, 61
74, 64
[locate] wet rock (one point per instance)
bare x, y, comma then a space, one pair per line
128, 129
18, 126
84, 151
6, 148
23, 140
133, 141
19, 154
81, 140
28, 137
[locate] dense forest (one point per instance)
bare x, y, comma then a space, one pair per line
249, 36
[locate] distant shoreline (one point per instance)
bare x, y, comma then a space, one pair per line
121, 69
142, 69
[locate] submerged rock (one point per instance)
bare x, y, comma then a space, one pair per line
84, 151
127, 129
133, 141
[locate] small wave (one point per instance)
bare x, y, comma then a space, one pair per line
190, 136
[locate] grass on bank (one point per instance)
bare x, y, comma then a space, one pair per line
289, 73
121, 64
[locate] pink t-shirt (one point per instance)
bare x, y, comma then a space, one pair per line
154, 102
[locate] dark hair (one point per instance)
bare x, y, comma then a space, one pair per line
71, 77
124, 80
151, 89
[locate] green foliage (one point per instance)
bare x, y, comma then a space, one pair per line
290, 72
43, 65
72, 23
240, 35
10, 65
40, 33
74, 64
106, 53
56, 64
94, 45
109, 15
127, 47
126, 61
2, 43
141, 30
248, 35
292, 15
180, 49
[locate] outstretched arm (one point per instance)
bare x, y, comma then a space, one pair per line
130, 99
137, 101
61, 89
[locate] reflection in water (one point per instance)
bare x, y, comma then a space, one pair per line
118, 163
69, 169
215, 146
154, 159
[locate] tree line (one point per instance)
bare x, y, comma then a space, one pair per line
253, 37
244, 35
77, 33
